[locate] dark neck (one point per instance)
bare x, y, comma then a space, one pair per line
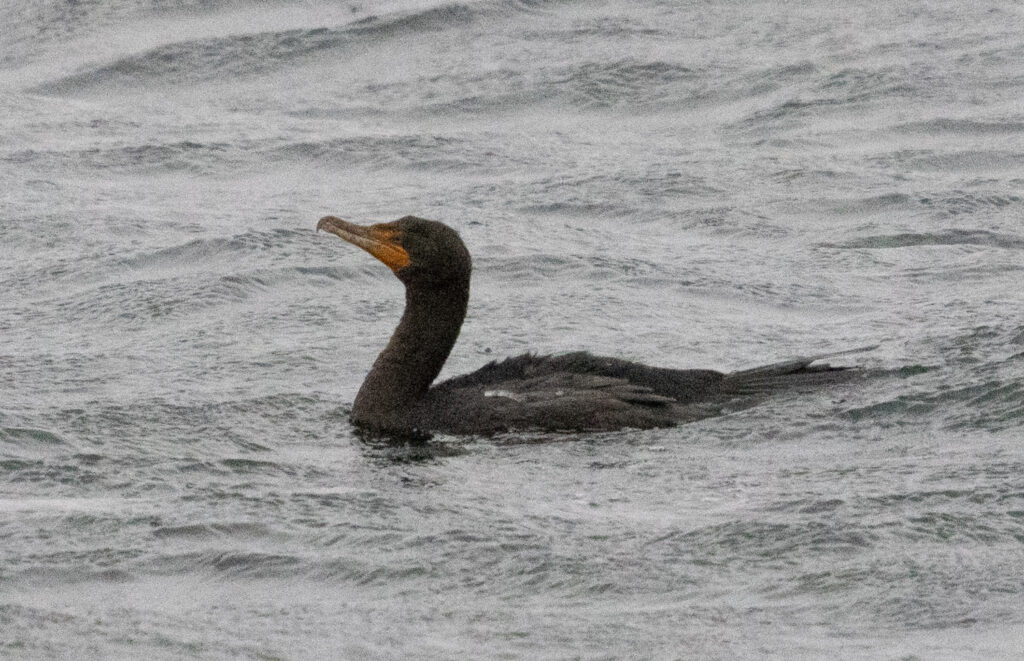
415, 355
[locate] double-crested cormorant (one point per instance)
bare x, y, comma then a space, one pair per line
570, 392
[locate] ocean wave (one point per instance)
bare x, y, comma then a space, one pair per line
742, 541
589, 85
993, 405
958, 203
204, 252
852, 85
189, 62
27, 437
227, 563
194, 439
963, 162
962, 127
138, 301
953, 237
947, 204
996, 491
181, 155
240, 55
815, 93
57, 472
154, 410
591, 195
362, 572
404, 151
242, 530
636, 82
252, 260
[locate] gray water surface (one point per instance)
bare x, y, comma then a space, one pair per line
718, 184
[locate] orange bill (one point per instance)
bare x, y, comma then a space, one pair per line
382, 240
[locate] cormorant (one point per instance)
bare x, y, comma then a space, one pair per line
569, 392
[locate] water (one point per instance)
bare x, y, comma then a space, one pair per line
688, 184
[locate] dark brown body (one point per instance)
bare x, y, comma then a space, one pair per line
571, 392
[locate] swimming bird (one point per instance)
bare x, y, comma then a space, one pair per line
568, 392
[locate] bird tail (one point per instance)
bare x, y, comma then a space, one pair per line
796, 373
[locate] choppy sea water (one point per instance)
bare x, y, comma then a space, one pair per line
716, 184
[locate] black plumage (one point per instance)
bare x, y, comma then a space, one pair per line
569, 392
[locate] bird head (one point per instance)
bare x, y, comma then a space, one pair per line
418, 251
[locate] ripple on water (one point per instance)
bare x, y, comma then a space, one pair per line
991, 406
951, 237
238, 56
27, 438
